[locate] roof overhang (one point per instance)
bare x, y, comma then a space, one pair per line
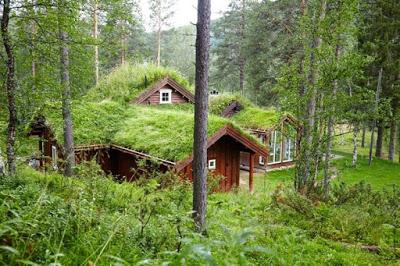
228, 130
160, 84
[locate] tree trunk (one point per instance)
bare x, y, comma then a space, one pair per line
392, 138
379, 140
242, 60
123, 44
331, 125
201, 115
364, 129
96, 46
69, 153
355, 151
10, 88
377, 95
309, 127
159, 46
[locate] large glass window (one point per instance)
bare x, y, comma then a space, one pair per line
282, 145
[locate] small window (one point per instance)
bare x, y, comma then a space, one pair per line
165, 95
212, 164
54, 157
261, 160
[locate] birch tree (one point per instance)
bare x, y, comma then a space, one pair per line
161, 13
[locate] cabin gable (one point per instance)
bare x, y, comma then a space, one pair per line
166, 91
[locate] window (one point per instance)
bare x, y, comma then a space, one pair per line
275, 143
54, 157
165, 95
261, 160
212, 164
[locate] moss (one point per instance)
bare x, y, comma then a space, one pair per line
128, 81
164, 133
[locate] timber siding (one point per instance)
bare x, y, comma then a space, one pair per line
176, 97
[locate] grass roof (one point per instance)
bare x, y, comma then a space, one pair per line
255, 117
128, 81
93, 123
163, 133
250, 116
220, 102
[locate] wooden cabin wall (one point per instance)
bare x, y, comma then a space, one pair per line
227, 154
128, 167
176, 97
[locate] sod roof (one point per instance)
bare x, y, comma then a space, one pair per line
250, 116
159, 131
93, 123
163, 133
127, 82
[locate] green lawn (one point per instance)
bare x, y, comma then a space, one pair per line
381, 174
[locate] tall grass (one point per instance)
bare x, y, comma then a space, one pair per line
48, 219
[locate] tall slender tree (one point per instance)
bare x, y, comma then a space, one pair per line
69, 153
161, 13
10, 87
201, 115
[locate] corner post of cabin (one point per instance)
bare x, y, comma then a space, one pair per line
251, 172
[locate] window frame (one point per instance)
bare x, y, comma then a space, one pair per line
212, 164
169, 92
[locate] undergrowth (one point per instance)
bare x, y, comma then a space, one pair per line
92, 220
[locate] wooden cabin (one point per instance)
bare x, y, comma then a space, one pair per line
165, 91
129, 153
278, 132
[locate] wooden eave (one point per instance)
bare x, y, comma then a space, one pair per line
165, 81
227, 130
142, 155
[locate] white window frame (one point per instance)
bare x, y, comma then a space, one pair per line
212, 164
169, 92
274, 144
54, 157
261, 160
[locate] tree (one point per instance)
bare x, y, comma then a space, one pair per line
230, 58
161, 12
69, 152
201, 115
10, 88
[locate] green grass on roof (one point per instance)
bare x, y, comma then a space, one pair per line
93, 123
127, 82
167, 134
255, 117
220, 102
250, 116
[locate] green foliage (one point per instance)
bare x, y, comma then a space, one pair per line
127, 82
45, 218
